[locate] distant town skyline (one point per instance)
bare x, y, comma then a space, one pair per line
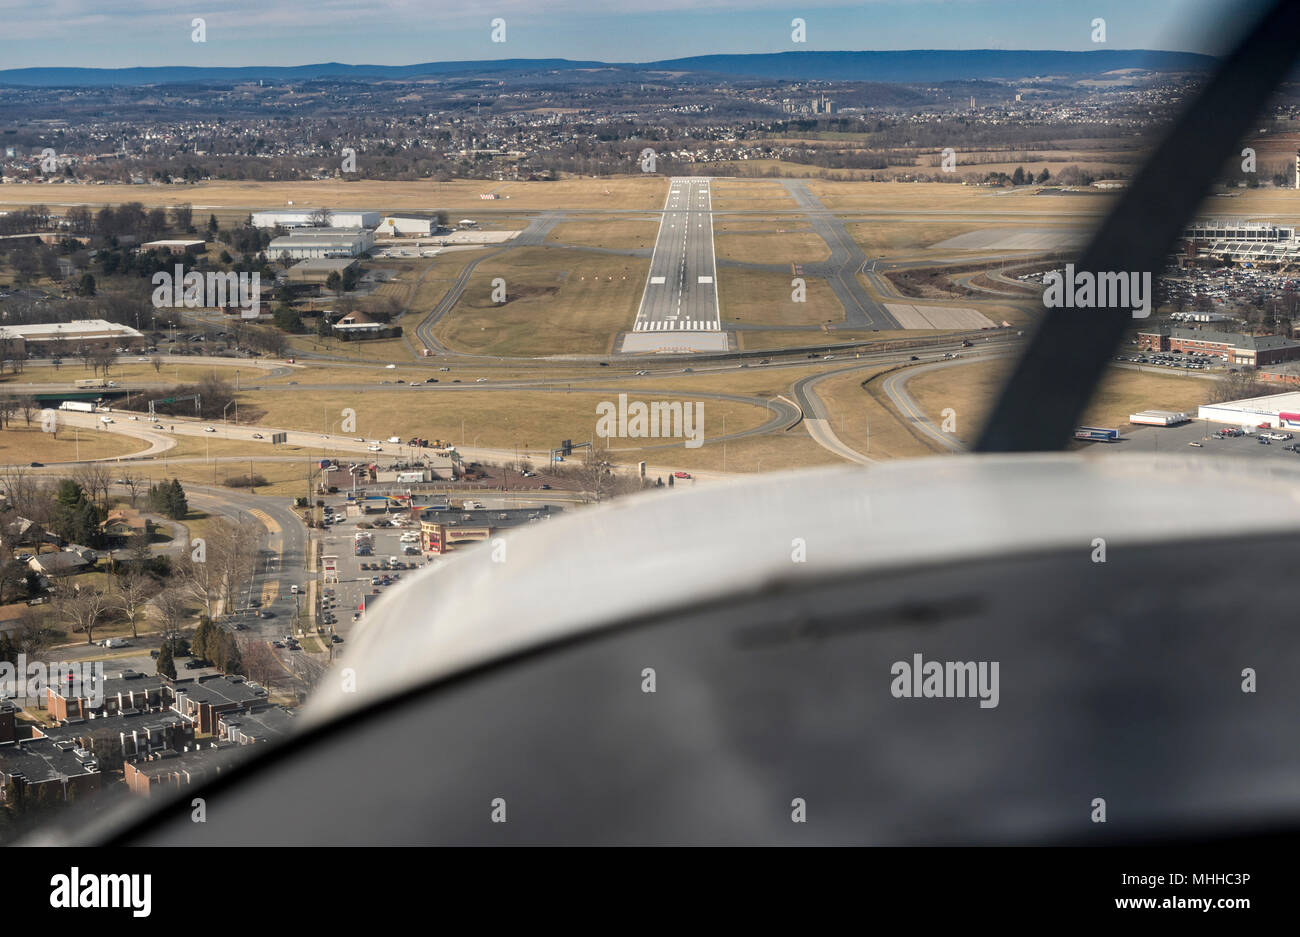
124, 33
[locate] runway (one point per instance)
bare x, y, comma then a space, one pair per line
681, 291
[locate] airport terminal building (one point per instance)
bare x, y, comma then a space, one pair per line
1246, 241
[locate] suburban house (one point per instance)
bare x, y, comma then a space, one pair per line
62, 563
28, 534
123, 523
358, 323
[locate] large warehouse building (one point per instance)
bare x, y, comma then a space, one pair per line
66, 337
406, 226
1278, 410
303, 217
311, 243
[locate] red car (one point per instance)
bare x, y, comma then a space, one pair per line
681, 474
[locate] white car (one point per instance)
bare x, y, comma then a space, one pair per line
133, 418
390, 367
481, 380
106, 419
258, 436
375, 448
209, 429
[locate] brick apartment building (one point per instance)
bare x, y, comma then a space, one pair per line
128, 690
1248, 350
45, 768
169, 768
8, 716
258, 724
117, 738
202, 701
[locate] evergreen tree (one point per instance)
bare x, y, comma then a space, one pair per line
234, 660
68, 493
173, 501
199, 643
75, 518
166, 663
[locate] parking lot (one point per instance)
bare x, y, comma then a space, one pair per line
1179, 439
363, 577
1189, 361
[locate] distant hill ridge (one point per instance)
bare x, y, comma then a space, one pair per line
905, 66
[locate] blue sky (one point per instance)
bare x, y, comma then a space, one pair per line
120, 33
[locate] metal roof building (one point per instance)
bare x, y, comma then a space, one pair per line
302, 217
1279, 410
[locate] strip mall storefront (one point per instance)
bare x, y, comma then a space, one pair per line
437, 538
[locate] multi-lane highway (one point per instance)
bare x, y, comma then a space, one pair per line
681, 291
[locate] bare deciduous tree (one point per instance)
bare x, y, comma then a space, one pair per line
132, 591
226, 564
172, 611
134, 485
83, 607
95, 478
260, 664
28, 408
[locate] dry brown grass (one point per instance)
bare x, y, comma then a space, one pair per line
972, 389
765, 298
615, 233
558, 302
21, 444
770, 247
460, 198
499, 419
